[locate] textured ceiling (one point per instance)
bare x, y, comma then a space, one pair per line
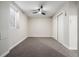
50, 6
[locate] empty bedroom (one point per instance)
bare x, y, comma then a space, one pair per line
39, 28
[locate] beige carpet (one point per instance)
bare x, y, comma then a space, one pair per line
39, 47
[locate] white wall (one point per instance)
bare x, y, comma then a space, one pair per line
70, 25
78, 24
40, 27
20, 30
11, 36
4, 26
73, 25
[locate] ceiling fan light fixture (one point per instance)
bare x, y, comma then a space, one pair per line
40, 10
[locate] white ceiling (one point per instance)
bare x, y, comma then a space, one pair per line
50, 6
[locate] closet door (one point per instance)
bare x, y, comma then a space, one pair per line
60, 28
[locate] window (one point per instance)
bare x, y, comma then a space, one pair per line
14, 15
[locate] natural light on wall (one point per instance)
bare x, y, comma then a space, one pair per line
14, 14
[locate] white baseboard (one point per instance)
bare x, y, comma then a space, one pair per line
62, 44
54, 37
70, 48
17, 43
4, 54
66, 46
39, 36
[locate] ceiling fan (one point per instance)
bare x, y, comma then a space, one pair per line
39, 10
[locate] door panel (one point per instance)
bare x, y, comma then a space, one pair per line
60, 25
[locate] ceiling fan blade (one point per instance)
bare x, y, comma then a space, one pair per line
41, 6
38, 9
35, 12
43, 13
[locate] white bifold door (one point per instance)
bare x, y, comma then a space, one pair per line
60, 28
